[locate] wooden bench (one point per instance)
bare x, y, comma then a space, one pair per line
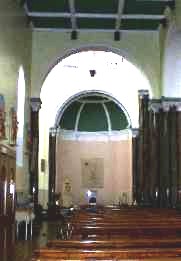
114, 223
48, 254
124, 242
115, 235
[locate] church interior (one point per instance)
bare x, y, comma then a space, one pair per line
90, 130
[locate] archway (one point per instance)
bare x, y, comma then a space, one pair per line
119, 85
93, 150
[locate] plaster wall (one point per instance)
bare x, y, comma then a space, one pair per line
15, 51
172, 63
117, 168
140, 48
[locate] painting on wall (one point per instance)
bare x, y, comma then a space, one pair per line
92, 172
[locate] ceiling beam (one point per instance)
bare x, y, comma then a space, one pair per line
119, 15
92, 15
72, 13
65, 30
155, 0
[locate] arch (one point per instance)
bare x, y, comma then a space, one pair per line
74, 93
84, 94
96, 47
114, 90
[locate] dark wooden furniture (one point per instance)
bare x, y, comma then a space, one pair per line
116, 235
7, 200
104, 254
119, 243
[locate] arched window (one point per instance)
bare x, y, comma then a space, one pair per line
20, 116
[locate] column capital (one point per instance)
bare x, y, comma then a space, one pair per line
178, 106
53, 131
135, 132
142, 93
167, 105
155, 106
35, 104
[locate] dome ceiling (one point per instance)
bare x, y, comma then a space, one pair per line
92, 114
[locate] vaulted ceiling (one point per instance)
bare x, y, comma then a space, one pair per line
92, 15
93, 113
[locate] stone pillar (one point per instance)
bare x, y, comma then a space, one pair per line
173, 155
135, 158
154, 152
143, 146
52, 164
164, 133
34, 123
178, 138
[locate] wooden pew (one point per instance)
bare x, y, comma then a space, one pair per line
48, 254
121, 243
127, 234
114, 223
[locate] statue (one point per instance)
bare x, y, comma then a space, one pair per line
14, 126
2, 118
67, 194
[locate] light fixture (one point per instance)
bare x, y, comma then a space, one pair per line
116, 36
92, 72
74, 35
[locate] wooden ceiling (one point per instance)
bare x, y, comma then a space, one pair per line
97, 15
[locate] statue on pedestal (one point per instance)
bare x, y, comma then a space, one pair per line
67, 194
2, 118
14, 126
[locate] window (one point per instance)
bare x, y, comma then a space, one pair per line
20, 116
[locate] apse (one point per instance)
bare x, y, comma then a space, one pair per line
93, 151
73, 77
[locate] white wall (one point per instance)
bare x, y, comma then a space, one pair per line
172, 63
15, 51
140, 48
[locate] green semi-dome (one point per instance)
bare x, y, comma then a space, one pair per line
93, 114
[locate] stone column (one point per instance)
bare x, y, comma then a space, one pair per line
34, 123
135, 159
164, 179
154, 152
143, 145
52, 164
172, 155
178, 144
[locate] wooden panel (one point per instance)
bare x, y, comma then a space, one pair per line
7, 204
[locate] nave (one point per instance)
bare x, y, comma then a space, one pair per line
98, 233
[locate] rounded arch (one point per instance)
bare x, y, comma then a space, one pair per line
96, 47
113, 90
82, 94
119, 93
